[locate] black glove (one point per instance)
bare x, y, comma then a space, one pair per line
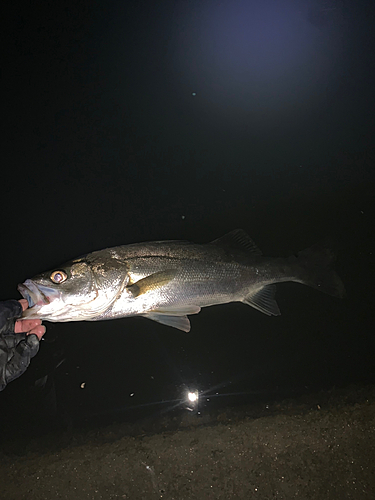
16, 349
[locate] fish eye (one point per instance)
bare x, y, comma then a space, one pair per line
58, 277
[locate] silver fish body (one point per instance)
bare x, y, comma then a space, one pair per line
168, 280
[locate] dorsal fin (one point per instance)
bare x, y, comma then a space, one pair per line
238, 239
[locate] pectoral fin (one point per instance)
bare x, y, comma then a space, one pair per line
174, 316
152, 282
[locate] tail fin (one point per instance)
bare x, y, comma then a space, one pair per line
315, 270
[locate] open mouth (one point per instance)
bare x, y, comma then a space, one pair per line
34, 294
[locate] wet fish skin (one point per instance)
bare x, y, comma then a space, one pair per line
168, 280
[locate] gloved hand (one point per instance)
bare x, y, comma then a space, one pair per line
19, 340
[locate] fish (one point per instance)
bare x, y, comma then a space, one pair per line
166, 281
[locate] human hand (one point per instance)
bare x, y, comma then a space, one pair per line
19, 340
29, 326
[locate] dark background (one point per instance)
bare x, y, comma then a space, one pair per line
139, 120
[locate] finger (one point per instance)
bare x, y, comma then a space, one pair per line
27, 348
39, 331
25, 325
24, 304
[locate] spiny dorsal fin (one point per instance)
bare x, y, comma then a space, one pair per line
238, 239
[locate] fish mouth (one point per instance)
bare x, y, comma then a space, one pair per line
36, 295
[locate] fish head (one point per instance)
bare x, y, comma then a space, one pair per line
78, 290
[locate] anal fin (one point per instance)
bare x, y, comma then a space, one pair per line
264, 300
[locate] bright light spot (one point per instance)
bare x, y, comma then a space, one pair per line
193, 396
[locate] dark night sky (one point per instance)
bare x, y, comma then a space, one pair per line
139, 120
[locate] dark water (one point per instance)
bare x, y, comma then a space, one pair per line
135, 121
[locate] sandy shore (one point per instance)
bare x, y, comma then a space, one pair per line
317, 447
